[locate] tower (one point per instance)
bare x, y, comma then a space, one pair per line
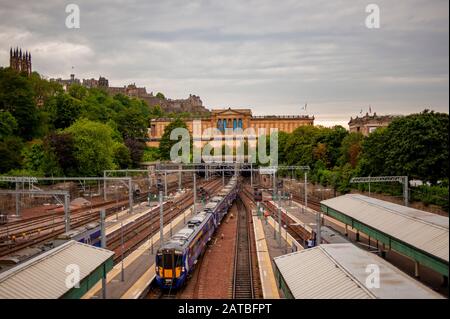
21, 62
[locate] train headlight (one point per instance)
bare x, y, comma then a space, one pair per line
182, 269
157, 269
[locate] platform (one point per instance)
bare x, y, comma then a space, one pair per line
138, 267
266, 274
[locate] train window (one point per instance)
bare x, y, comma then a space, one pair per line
178, 260
167, 261
159, 259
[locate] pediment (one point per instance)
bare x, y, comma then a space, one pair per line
231, 111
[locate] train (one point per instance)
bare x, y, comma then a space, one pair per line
3, 219
88, 234
176, 259
257, 194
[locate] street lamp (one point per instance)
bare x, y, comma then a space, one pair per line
122, 274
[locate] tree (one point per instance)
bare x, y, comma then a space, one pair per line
351, 149
8, 124
156, 111
332, 138
39, 161
43, 89
161, 96
151, 154
136, 149
60, 149
93, 145
122, 156
300, 145
320, 152
64, 110
373, 153
165, 145
33, 156
10, 153
132, 123
78, 91
17, 97
417, 146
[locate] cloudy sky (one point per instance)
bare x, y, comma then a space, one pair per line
272, 56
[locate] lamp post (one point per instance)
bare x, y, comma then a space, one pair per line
151, 235
122, 274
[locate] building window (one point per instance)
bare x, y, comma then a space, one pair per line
240, 123
234, 124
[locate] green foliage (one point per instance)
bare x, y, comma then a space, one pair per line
132, 123
10, 153
43, 89
78, 91
159, 95
122, 157
136, 149
17, 97
60, 155
300, 145
40, 159
93, 146
156, 112
350, 149
415, 145
8, 124
151, 154
166, 143
437, 195
63, 110
33, 155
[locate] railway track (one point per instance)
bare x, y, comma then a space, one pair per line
138, 232
243, 287
313, 203
300, 234
47, 227
32, 223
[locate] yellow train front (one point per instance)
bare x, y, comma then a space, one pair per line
170, 270
177, 257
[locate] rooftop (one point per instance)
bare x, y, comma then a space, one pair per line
44, 276
425, 231
339, 271
370, 118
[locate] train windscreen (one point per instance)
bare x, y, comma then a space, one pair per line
167, 261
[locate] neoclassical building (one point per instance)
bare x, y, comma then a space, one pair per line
232, 118
369, 123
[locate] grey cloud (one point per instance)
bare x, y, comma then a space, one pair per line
269, 55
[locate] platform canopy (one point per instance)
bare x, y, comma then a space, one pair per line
341, 271
47, 276
420, 235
